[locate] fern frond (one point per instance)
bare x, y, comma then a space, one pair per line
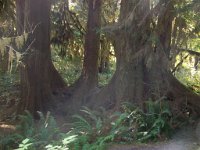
81, 124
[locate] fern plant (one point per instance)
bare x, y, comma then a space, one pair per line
37, 135
25, 145
156, 121
135, 124
90, 129
94, 130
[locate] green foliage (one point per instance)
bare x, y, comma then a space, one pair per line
186, 36
26, 126
157, 121
134, 124
41, 133
7, 18
70, 69
9, 92
95, 130
90, 130
105, 77
25, 145
65, 142
9, 141
189, 77
8, 81
87, 132
33, 135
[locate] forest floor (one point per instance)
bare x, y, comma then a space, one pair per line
184, 139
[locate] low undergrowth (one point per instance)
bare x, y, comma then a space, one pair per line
9, 95
94, 130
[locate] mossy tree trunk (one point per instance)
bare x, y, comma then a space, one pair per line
142, 52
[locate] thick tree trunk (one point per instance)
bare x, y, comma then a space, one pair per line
35, 81
142, 70
38, 74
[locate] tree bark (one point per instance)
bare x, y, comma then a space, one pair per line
88, 80
92, 45
6, 61
142, 70
20, 8
37, 71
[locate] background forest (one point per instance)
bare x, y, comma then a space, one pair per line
87, 74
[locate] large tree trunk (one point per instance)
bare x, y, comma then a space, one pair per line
35, 81
37, 71
127, 83
142, 70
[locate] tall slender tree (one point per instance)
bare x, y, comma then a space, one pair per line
92, 44
89, 76
20, 8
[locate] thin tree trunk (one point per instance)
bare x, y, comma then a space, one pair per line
20, 8
88, 80
92, 44
6, 64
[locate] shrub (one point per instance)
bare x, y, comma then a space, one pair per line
95, 130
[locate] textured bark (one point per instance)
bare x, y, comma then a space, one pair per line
88, 80
5, 66
20, 8
56, 80
142, 70
1, 60
37, 73
92, 44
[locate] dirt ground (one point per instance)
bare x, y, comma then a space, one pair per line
184, 139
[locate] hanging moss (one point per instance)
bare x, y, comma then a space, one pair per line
10, 48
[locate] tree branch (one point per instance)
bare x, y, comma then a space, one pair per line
190, 51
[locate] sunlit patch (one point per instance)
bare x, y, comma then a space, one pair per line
7, 127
